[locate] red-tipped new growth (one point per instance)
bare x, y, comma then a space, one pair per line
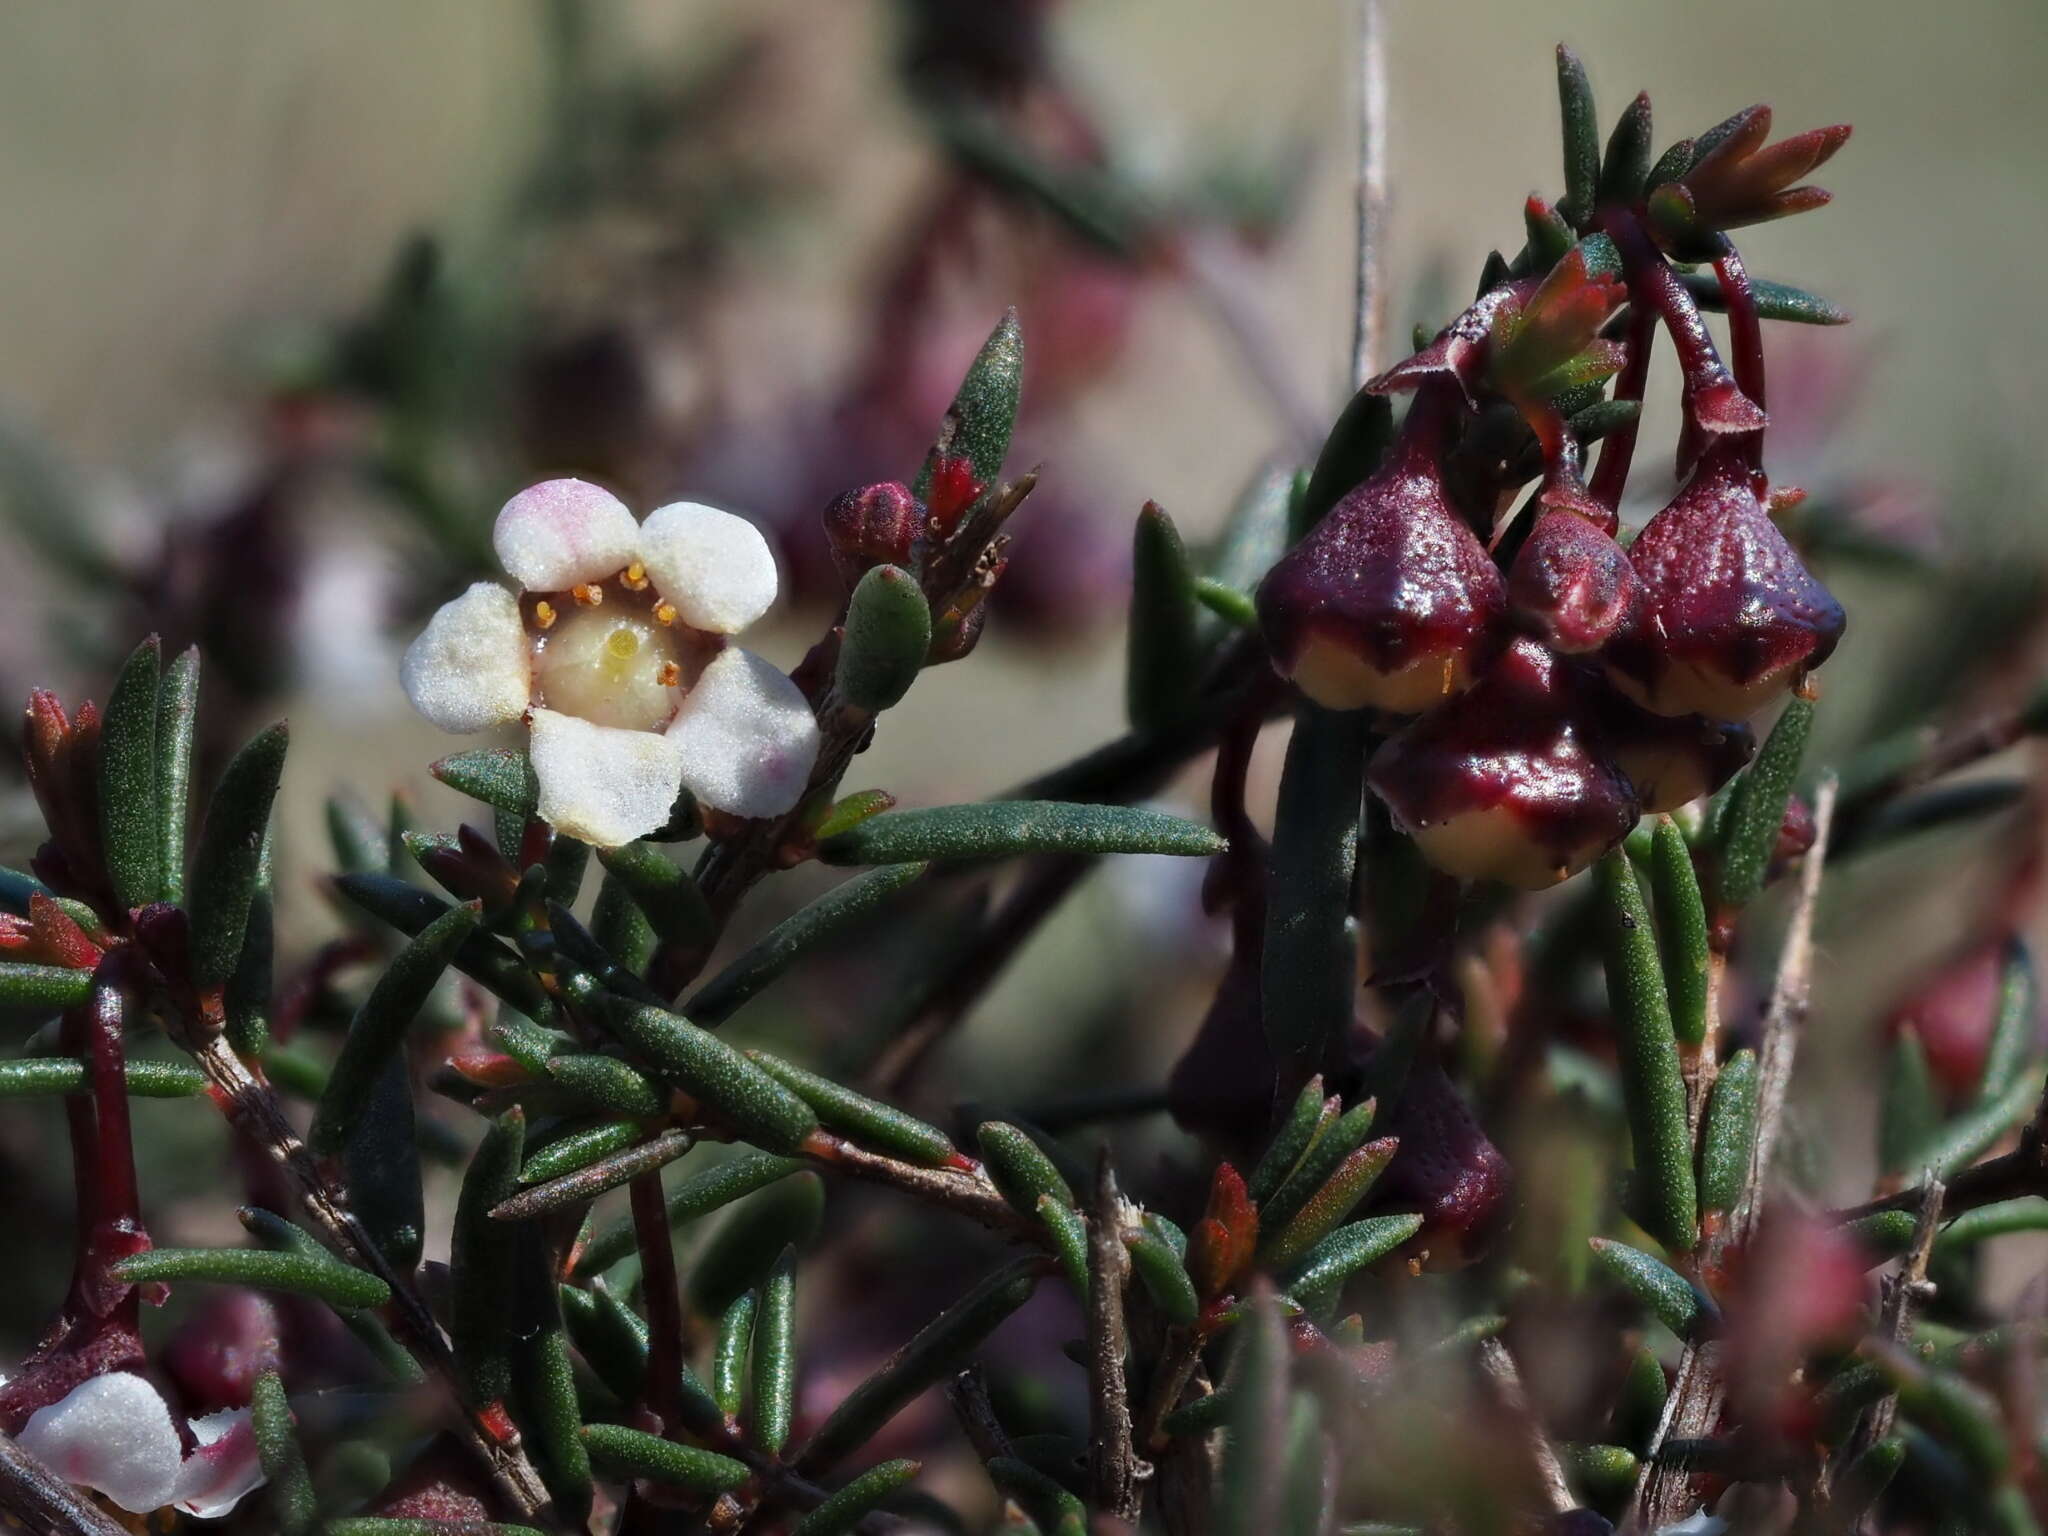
1739, 181
1506, 782
1728, 618
1390, 602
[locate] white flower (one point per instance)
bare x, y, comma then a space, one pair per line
615, 652
114, 1434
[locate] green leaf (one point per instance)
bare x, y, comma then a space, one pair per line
546, 1379
355, 838
1249, 1484
719, 1077
1309, 979
1756, 807
1339, 1195
579, 1149
1910, 1112
247, 997
1663, 1195
888, 635
1235, 608
2012, 1024
1303, 1123
1681, 931
1349, 1249
293, 1509
377, 1032
746, 1245
940, 1348
1961, 1415
582, 1185
322, 1277
695, 1197
1350, 453
1329, 1152
795, 936
42, 989
131, 816
775, 1357
1962, 1140
618, 924
480, 957
611, 1337
859, 1118
664, 890
1774, 301
1068, 1234
177, 723
1045, 1499
2000, 1219
983, 414
1581, 138
1255, 534
729, 1353
229, 863
498, 776
1162, 662
1627, 164
629, 1453
1640, 1407
1004, 828
381, 1161
1666, 1294
1020, 1167
607, 1084
1864, 1480
845, 1509
1728, 1133
1601, 1473
1165, 1278
849, 811
40, 1076
483, 1253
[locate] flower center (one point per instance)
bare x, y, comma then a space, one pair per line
611, 667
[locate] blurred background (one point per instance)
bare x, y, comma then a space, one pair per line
297, 293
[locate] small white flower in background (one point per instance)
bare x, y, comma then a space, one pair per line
114, 1434
616, 653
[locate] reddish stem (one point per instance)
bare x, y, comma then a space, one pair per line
663, 1394
1745, 332
1618, 448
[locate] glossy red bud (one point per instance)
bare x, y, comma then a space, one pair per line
1727, 617
1390, 601
1672, 760
1509, 781
1571, 582
1445, 1168
874, 525
1952, 1010
218, 1353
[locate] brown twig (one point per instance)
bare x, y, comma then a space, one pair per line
1114, 1472
252, 1109
973, 1195
43, 1502
1500, 1369
968, 1393
1908, 1287
1666, 1493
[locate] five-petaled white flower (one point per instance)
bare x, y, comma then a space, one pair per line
114, 1434
615, 652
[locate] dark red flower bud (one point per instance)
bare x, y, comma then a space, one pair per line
1727, 616
1389, 601
1221, 1245
1507, 781
1446, 1168
1571, 582
1672, 760
1953, 1010
218, 1353
874, 525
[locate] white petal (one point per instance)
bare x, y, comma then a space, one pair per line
558, 533
602, 784
468, 669
715, 567
748, 737
224, 1467
112, 1433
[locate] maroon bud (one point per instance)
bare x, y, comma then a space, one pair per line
1445, 1168
874, 525
1672, 760
1571, 582
1795, 836
216, 1356
1727, 618
1507, 782
1952, 1010
1389, 601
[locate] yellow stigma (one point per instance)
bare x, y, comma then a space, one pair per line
611, 667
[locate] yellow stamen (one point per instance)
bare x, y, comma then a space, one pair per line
586, 595
544, 614
669, 675
664, 613
635, 577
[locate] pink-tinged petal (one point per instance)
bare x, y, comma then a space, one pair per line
556, 534
112, 1434
747, 736
468, 670
601, 784
226, 1465
715, 567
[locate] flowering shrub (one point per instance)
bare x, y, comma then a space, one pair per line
1468, 1217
